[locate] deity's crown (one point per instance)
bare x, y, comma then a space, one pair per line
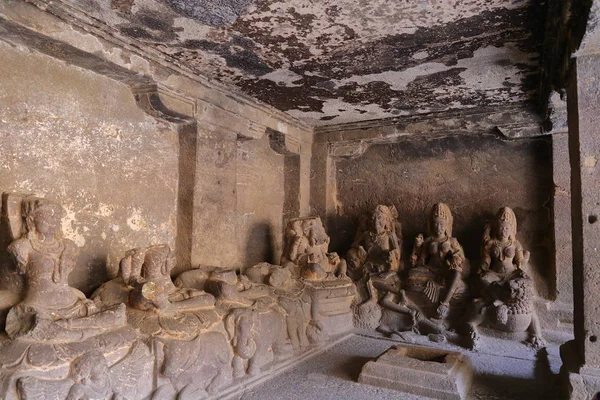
506, 214
441, 210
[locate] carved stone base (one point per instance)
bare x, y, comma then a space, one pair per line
333, 300
434, 373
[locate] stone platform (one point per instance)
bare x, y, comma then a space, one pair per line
434, 373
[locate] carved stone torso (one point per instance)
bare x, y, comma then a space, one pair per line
437, 253
502, 255
46, 271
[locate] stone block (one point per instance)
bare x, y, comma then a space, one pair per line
433, 373
333, 300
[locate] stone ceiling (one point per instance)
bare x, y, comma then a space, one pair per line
328, 62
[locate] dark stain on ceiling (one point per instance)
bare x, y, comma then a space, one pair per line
326, 61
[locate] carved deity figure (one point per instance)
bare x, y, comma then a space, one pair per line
377, 249
50, 308
507, 292
306, 251
300, 310
438, 265
503, 254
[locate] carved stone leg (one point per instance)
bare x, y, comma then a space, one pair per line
535, 333
239, 368
475, 317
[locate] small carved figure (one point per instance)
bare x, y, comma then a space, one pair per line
438, 265
253, 321
237, 291
399, 313
257, 336
506, 302
306, 251
50, 308
378, 249
302, 319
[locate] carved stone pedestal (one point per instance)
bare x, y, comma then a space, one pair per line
332, 300
438, 374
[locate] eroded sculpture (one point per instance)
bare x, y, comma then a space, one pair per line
437, 277
184, 323
306, 251
54, 327
377, 249
390, 301
507, 293
50, 308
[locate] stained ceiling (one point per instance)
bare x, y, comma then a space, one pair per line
335, 61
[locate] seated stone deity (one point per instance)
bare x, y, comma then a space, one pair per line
506, 301
377, 250
306, 251
50, 308
438, 267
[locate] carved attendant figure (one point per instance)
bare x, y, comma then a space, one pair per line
503, 255
148, 270
379, 249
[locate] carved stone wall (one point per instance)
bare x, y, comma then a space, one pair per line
79, 138
474, 175
260, 201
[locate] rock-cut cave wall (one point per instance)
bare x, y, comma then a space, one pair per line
78, 138
474, 175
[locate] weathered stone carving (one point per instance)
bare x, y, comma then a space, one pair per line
50, 308
436, 279
253, 321
398, 312
306, 251
156, 338
378, 248
293, 298
182, 322
506, 302
54, 327
90, 377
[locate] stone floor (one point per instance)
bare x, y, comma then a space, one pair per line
520, 373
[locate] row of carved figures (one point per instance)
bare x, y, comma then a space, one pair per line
436, 294
143, 335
